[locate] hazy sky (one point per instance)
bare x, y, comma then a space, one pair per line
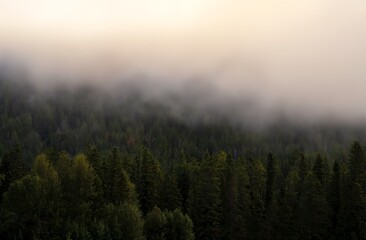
306, 58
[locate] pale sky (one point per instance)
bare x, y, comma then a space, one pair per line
307, 57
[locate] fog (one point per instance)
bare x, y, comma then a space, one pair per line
303, 60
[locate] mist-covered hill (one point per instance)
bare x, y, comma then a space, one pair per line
71, 118
95, 163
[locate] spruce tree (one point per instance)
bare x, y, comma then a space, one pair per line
169, 195
205, 205
334, 196
149, 181
270, 184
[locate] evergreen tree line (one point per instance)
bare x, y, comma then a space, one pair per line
117, 195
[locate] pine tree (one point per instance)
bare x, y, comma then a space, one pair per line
314, 214
334, 196
303, 172
169, 196
205, 200
94, 158
124, 189
257, 199
178, 226
287, 227
149, 182
32, 204
154, 228
12, 167
241, 228
122, 221
271, 174
352, 214
184, 172
356, 164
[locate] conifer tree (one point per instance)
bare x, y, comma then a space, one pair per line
149, 182
169, 196
334, 196
178, 226
154, 228
205, 204
270, 184
319, 170
353, 197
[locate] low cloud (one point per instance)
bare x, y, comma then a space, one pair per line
259, 59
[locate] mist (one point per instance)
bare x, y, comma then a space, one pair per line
258, 60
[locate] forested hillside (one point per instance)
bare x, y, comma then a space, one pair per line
82, 164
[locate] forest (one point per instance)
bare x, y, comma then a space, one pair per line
78, 165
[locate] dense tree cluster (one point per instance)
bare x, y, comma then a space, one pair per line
77, 198
120, 196
75, 166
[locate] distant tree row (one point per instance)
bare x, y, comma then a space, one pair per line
71, 119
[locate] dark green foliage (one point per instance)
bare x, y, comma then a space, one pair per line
170, 197
230, 199
211, 180
313, 215
334, 196
24, 206
178, 226
205, 203
319, 170
149, 181
155, 222
168, 225
270, 183
357, 164
122, 221
184, 175
12, 167
352, 215
257, 188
